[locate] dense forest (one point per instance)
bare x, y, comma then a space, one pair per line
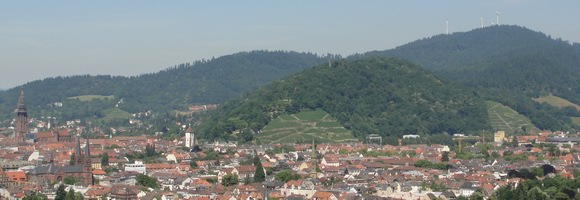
370, 96
211, 81
507, 64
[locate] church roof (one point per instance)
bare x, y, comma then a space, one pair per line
51, 169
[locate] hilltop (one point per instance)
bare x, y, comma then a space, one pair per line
370, 96
511, 65
211, 81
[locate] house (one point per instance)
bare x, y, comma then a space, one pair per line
245, 172
330, 160
468, 188
319, 195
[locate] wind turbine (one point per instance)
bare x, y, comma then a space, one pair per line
446, 26
497, 17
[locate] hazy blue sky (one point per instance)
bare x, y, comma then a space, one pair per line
40, 39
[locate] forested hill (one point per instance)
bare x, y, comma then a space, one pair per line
510, 57
201, 82
508, 64
369, 96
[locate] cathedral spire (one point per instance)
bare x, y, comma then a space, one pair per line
78, 147
21, 118
87, 148
21, 104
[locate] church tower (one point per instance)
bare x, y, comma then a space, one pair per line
314, 162
79, 159
21, 119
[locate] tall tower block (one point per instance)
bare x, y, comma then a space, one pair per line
21, 119
189, 138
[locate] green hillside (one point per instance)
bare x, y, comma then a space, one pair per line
114, 114
389, 97
304, 126
557, 101
503, 118
212, 81
506, 64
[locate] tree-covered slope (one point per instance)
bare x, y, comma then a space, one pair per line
369, 96
201, 82
506, 64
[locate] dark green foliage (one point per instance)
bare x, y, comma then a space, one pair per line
150, 150
193, 164
70, 195
69, 180
286, 175
429, 164
201, 82
72, 159
366, 96
259, 175
557, 187
60, 193
547, 168
147, 181
445, 156
230, 180
38, 196
104, 159
506, 64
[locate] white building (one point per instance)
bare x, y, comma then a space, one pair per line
138, 167
189, 138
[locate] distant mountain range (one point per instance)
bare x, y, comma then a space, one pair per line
507, 64
202, 82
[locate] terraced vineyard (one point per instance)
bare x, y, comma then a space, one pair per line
305, 126
503, 118
556, 101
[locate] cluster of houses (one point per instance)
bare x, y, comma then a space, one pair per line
320, 171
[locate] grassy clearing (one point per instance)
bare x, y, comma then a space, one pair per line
304, 127
503, 118
91, 97
115, 114
556, 101
576, 120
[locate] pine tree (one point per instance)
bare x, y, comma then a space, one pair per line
259, 175
104, 159
72, 159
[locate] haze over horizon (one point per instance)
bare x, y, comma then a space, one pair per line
41, 39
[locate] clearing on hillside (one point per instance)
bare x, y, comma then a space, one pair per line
576, 120
556, 101
114, 114
303, 127
503, 118
91, 97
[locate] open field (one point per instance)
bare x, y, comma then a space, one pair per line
115, 114
503, 118
91, 97
556, 101
305, 126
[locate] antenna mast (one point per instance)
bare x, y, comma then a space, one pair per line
496, 17
446, 26
482, 22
